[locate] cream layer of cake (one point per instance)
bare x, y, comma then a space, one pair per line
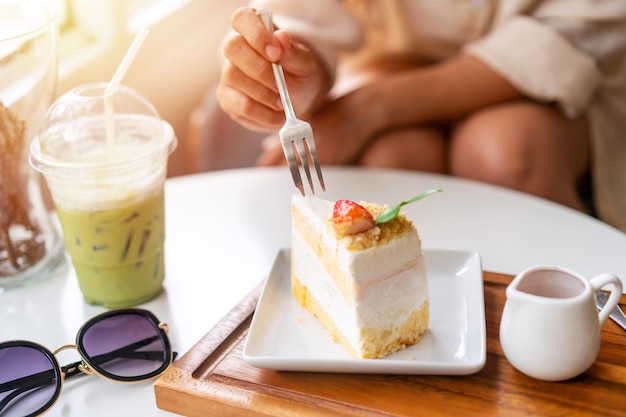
369, 290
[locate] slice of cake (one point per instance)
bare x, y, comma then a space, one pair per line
366, 283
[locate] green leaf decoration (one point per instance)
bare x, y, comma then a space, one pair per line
392, 212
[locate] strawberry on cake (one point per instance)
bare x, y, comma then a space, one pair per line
359, 268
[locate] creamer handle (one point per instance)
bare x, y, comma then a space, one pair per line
616, 293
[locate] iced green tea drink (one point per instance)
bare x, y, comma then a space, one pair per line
108, 194
117, 253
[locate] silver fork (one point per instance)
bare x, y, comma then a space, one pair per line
295, 134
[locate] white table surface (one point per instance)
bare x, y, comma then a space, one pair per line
225, 228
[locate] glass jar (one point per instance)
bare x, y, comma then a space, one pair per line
30, 245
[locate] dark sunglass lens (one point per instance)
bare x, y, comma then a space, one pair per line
29, 383
125, 345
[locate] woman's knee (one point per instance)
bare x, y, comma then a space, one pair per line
420, 149
525, 146
519, 145
484, 148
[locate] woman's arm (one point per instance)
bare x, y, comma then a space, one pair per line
432, 94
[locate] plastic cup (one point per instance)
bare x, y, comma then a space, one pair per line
108, 193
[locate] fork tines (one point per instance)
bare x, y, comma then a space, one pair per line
297, 139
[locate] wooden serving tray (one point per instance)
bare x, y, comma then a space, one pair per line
212, 379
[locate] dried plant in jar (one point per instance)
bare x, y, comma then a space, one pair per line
21, 245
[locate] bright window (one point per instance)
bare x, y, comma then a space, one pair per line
87, 27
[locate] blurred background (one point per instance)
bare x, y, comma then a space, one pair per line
175, 67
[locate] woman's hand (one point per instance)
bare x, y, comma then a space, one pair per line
247, 89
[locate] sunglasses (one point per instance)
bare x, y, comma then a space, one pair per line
126, 345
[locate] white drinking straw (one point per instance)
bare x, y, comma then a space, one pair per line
115, 83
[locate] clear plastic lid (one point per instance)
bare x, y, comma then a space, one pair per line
86, 130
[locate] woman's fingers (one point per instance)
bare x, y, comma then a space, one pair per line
235, 77
246, 110
249, 62
247, 23
247, 90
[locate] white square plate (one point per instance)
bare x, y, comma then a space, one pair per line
285, 336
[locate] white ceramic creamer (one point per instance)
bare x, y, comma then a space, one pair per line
550, 327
